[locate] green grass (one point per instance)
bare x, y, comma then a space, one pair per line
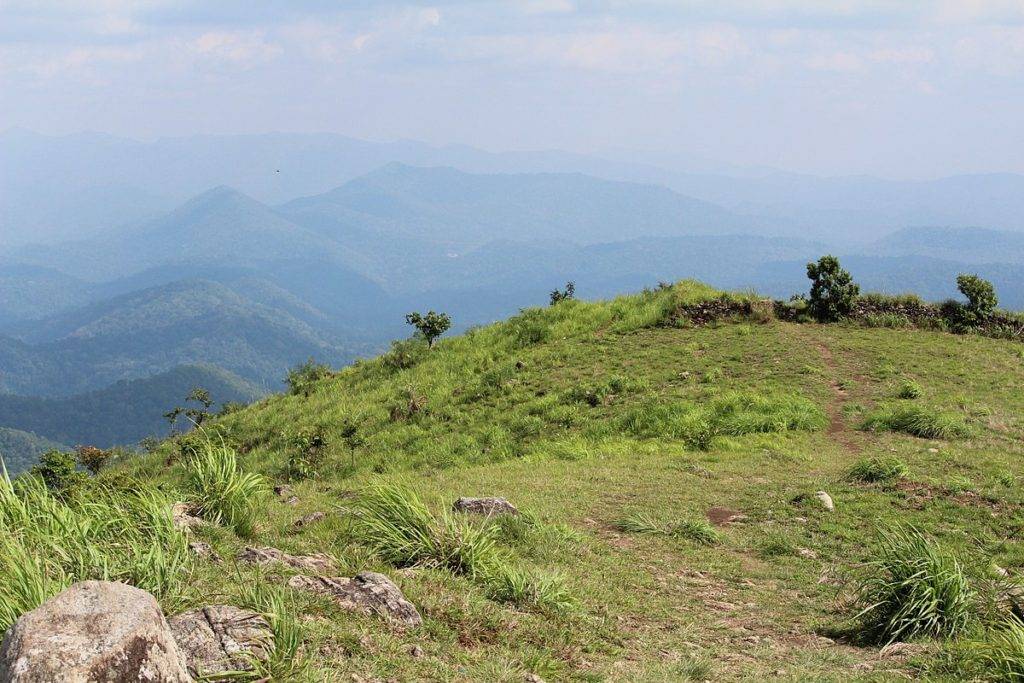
696, 531
913, 588
920, 421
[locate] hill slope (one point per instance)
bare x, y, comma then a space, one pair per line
668, 472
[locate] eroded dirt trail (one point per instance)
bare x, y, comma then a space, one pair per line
838, 429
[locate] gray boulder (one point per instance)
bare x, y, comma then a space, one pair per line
485, 506
95, 631
220, 639
366, 592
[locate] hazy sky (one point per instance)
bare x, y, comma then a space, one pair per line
891, 87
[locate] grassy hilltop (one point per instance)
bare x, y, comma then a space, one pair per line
667, 472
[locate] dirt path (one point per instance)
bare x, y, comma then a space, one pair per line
838, 429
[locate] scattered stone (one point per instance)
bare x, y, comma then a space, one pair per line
933, 450
204, 550
292, 500
825, 500
807, 553
416, 651
367, 592
317, 562
311, 518
720, 516
282, 490
221, 639
185, 516
93, 631
485, 506
533, 678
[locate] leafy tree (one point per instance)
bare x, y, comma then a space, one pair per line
832, 289
560, 295
431, 326
92, 458
981, 296
195, 415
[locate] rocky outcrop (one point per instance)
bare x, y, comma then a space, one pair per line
93, 631
485, 506
220, 639
367, 592
317, 562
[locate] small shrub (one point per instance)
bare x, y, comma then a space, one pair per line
913, 588
303, 379
918, 421
639, 523
92, 458
833, 290
221, 491
306, 451
529, 328
981, 296
567, 294
909, 389
57, 471
878, 469
405, 354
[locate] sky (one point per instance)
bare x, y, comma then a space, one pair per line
896, 88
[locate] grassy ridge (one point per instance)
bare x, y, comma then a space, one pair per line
667, 476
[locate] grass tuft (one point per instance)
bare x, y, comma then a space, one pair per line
695, 531
878, 469
913, 589
920, 421
221, 491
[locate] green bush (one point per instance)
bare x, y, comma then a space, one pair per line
833, 290
913, 588
58, 471
221, 491
405, 354
920, 421
303, 379
878, 469
981, 296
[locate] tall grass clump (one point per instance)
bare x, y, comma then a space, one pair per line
397, 526
1000, 656
920, 421
48, 543
877, 469
913, 588
284, 662
221, 491
909, 390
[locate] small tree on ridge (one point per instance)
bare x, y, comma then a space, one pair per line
832, 289
431, 326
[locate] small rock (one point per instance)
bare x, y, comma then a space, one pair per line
221, 639
292, 500
416, 651
367, 592
533, 678
807, 553
485, 506
184, 515
282, 490
204, 550
825, 500
317, 562
311, 518
93, 631
933, 450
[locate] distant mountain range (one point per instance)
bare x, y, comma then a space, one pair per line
60, 188
250, 289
